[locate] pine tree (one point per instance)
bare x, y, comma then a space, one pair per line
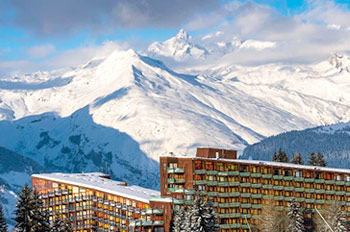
297, 159
41, 215
178, 220
3, 225
274, 158
61, 225
270, 219
337, 218
312, 159
210, 218
295, 218
25, 212
320, 160
282, 156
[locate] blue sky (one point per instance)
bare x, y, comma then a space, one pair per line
33, 32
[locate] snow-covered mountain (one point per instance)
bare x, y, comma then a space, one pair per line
119, 113
179, 47
333, 141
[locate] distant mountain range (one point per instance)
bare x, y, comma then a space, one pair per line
119, 113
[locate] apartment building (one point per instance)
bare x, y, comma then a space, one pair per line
93, 202
239, 188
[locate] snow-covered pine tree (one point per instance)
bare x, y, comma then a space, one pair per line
41, 217
25, 212
337, 218
178, 220
320, 160
61, 225
210, 218
295, 218
3, 225
282, 156
312, 159
271, 219
297, 159
274, 158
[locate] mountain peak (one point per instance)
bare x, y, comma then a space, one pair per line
183, 35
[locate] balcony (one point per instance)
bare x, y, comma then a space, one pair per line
58, 192
200, 171
309, 180
288, 178
246, 205
300, 199
278, 187
178, 201
234, 183
211, 183
245, 195
266, 176
189, 202
171, 170
257, 206
267, 186
309, 190
171, 180
200, 182
230, 215
309, 200
190, 191
288, 198
222, 173
233, 173
329, 181
179, 170
319, 181
245, 185
299, 189
330, 192
340, 193
158, 223
223, 184
224, 194
277, 177
157, 211
339, 182
212, 194
256, 175
78, 198
288, 188
234, 204
224, 205
278, 198
256, 185
244, 174
179, 181
321, 201
213, 172
256, 196
299, 179
228, 226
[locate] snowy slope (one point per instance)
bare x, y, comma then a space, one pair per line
332, 141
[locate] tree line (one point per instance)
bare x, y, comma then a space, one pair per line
313, 159
32, 217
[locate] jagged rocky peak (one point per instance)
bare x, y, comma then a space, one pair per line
183, 35
340, 61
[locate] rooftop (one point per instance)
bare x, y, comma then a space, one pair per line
98, 181
268, 163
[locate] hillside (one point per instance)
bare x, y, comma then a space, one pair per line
332, 141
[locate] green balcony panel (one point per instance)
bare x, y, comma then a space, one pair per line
235, 204
340, 193
288, 198
245, 226
223, 184
157, 211
200, 182
255, 175
179, 170
171, 180
171, 190
203, 192
256, 185
234, 194
340, 182
246, 205
222, 173
224, 226
299, 189
299, 179
214, 204
212, 172
319, 181
309, 200
288, 178
233, 173
224, 205
158, 223
244, 174
235, 183
347, 183
266, 176
278, 187
189, 202
320, 191
300, 199
278, 198
347, 203
279, 207
212, 194
347, 194
329, 202
200, 171
309, 180
256, 196
245, 195
330, 192
210, 182
230, 215
321, 201
307, 190
277, 177
171, 170
179, 181
342, 202
257, 206
190, 191
266, 197
178, 201
224, 194
245, 185
267, 186
288, 188
330, 181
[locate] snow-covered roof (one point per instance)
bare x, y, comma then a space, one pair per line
269, 163
97, 181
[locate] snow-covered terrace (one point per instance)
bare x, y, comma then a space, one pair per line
97, 181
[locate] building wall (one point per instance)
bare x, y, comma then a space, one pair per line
239, 190
91, 210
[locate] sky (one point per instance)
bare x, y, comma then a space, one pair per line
48, 34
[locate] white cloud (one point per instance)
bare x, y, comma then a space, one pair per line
41, 51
